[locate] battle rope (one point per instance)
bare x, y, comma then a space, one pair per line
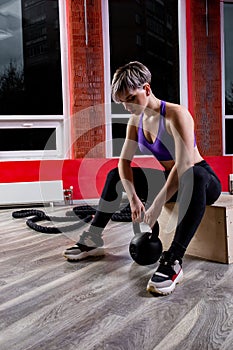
122, 215
84, 214
39, 215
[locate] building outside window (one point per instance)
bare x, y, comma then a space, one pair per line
152, 40
31, 96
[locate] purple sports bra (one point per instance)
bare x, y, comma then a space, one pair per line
163, 148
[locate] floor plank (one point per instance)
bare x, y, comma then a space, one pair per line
101, 304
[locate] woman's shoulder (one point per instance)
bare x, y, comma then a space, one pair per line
132, 127
134, 120
175, 110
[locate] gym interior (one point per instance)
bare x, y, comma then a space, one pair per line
60, 135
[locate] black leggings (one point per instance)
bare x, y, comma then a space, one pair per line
198, 186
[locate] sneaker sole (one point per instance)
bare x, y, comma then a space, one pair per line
151, 287
84, 255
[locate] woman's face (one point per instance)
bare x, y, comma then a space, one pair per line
135, 101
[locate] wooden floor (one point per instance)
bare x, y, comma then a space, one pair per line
48, 303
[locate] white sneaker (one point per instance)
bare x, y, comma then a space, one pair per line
167, 275
89, 244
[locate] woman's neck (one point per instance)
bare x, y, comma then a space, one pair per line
153, 106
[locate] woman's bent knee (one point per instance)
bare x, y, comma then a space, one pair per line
113, 174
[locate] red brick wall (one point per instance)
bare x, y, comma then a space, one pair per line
86, 78
204, 73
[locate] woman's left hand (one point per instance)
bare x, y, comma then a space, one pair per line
151, 215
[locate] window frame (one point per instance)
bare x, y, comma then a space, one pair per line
60, 122
106, 48
224, 116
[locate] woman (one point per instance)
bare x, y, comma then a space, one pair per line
166, 131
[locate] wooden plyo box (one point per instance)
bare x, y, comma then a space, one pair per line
214, 237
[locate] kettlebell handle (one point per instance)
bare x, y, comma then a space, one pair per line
137, 228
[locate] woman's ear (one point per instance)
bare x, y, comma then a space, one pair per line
147, 89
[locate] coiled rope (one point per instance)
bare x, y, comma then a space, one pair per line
83, 213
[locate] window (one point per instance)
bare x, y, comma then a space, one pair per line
31, 95
228, 78
154, 41
30, 139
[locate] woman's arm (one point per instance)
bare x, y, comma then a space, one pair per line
125, 170
181, 127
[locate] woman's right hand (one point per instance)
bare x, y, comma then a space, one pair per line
137, 209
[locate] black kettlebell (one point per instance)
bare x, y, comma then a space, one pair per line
145, 248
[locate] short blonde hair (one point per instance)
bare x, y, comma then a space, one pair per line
131, 76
